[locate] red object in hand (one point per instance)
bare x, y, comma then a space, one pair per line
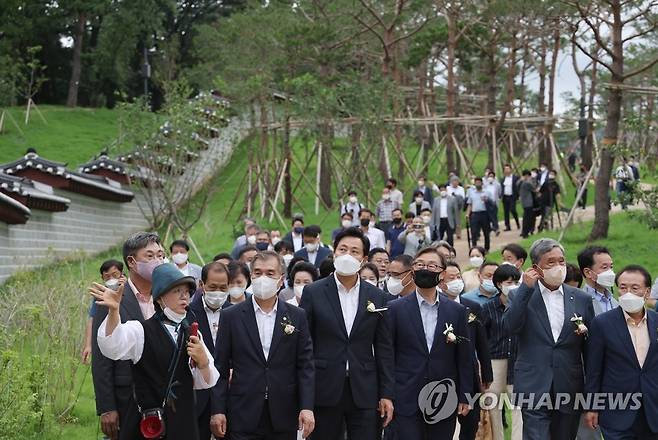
194, 331
152, 425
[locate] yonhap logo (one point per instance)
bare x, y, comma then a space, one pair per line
438, 400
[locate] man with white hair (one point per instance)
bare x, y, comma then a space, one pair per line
551, 320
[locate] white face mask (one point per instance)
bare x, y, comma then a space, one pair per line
419, 200
395, 286
287, 259
298, 290
346, 223
386, 196
179, 258
455, 287
353, 199
264, 287
421, 183
251, 239
606, 279
215, 299
556, 275
476, 261
346, 265
490, 179
236, 291
173, 316
631, 303
507, 289
112, 283
275, 240
312, 247
427, 219
444, 193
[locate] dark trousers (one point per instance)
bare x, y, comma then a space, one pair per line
361, 424
415, 428
264, 430
445, 229
544, 424
480, 221
385, 226
203, 420
468, 425
509, 207
492, 210
528, 221
639, 430
129, 416
583, 200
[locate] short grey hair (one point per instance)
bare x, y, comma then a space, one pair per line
266, 255
541, 247
137, 241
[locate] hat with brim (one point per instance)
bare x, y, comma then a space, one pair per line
167, 276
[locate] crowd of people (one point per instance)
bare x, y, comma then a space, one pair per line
286, 336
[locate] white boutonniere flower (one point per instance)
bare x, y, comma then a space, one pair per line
451, 337
581, 328
288, 327
371, 308
472, 317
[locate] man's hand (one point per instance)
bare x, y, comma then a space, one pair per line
106, 296
531, 276
218, 425
484, 386
306, 422
463, 409
110, 424
592, 419
196, 351
86, 353
386, 411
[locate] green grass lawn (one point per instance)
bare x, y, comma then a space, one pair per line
72, 135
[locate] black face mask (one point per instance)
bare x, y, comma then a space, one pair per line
426, 279
478, 187
397, 221
365, 222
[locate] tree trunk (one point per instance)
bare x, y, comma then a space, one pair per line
287, 181
586, 155
548, 127
524, 69
492, 72
601, 210
451, 91
541, 105
76, 67
327, 139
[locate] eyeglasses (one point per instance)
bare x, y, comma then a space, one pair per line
431, 266
183, 292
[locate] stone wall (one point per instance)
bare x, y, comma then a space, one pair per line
91, 225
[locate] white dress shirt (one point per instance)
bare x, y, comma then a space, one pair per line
213, 320
312, 256
459, 191
443, 207
126, 343
429, 314
397, 196
507, 186
265, 322
297, 241
377, 238
554, 302
349, 302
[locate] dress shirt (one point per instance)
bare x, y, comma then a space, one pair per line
554, 302
213, 320
297, 241
185, 270
603, 298
349, 302
429, 314
312, 256
145, 305
479, 297
457, 192
475, 199
126, 343
265, 322
385, 209
507, 186
443, 207
397, 196
377, 238
639, 335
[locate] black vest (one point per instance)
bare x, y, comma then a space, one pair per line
150, 377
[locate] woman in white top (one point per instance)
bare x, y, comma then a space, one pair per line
302, 273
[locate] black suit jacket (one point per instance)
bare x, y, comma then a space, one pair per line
368, 347
106, 373
286, 376
480, 342
323, 253
515, 186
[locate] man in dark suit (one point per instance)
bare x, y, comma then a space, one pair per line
622, 360
206, 307
313, 251
427, 356
115, 405
266, 344
352, 347
509, 184
294, 237
426, 190
545, 314
452, 286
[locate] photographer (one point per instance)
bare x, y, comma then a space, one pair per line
414, 237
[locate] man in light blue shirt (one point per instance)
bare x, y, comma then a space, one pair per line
487, 289
429, 312
596, 266
477, 213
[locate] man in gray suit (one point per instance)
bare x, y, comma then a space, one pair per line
549, 362
445, 216
527, 190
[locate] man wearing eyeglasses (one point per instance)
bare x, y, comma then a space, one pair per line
433, 356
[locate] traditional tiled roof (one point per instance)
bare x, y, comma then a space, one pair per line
32, 194
12, 211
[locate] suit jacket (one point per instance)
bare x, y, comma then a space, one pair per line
424, 205
286, 376
543, 365
367, 348
106, 373
323, 253
515, 186
427, 194
526, 193
612, 367
453, 213
209, 396
415, 365
478, 335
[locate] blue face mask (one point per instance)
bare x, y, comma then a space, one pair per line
489, 286
298, 229
262, 246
